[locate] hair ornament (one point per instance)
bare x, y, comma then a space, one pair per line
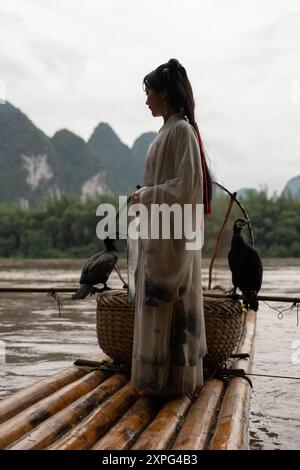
166, 73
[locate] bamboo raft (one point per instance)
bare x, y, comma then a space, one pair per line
77, 409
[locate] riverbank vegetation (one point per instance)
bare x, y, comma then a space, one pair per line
66, 227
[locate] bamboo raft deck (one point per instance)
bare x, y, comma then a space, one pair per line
75, 409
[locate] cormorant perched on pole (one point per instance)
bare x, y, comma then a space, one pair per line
97, 270
246, 266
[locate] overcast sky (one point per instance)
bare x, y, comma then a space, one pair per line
73, 63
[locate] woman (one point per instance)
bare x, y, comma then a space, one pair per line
169, 334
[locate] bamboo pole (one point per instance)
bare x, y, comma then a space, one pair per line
231, 431
53, 428
39, 289
133, 423
26, 397
87, 433
195, 432
28, 419
53, 290
240, 205
232, 427
274, 298
17, 402
164, 427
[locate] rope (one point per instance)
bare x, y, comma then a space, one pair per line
275, 376
273, 298
296, 303
120, 276
225, 374
105, 366
57, 300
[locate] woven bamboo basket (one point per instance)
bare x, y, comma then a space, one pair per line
115, 324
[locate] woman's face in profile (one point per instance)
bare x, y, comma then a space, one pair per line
155, 101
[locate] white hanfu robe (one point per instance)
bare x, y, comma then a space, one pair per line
169, 332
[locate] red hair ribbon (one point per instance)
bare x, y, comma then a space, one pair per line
207, 208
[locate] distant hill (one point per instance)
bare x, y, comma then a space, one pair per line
122, 168
26, 172
293, 187
141, 144
77, 166
34, 167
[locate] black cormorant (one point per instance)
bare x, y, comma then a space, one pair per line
97, 270
245, 265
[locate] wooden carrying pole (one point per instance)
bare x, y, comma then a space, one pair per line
45, 290
215, 252
53, 290
270, 298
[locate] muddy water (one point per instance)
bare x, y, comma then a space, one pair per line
36, 342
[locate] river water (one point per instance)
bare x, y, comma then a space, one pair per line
36, 342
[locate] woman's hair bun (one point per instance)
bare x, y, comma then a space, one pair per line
174, 64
